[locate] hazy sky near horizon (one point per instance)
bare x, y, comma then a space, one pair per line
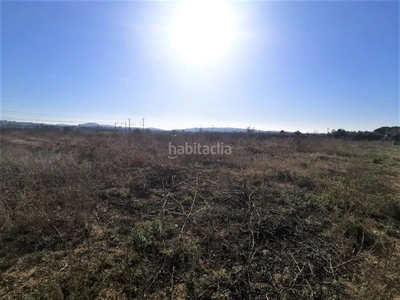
294, 65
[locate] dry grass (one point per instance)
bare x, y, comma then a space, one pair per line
103, 216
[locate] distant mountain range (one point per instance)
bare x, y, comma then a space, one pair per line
216, 129
18, 124
93, 126
385, 130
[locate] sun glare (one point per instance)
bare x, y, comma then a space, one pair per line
203, 30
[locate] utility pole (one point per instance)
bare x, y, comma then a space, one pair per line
125, 126
143, 124
129, 125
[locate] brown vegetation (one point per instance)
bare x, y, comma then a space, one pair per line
105, 216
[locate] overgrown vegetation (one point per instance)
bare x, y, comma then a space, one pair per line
110, 216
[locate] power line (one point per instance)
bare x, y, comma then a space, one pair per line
24, 116
43, 120
14, 112
52, 121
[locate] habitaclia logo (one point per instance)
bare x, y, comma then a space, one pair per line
197, 149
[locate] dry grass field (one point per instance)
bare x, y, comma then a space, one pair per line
110, 216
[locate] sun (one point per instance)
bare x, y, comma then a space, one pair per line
203, 30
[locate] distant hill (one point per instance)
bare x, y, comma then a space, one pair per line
14, 124
94, 125
216, 129
394, 130
220, 129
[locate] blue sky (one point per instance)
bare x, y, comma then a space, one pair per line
296, 65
